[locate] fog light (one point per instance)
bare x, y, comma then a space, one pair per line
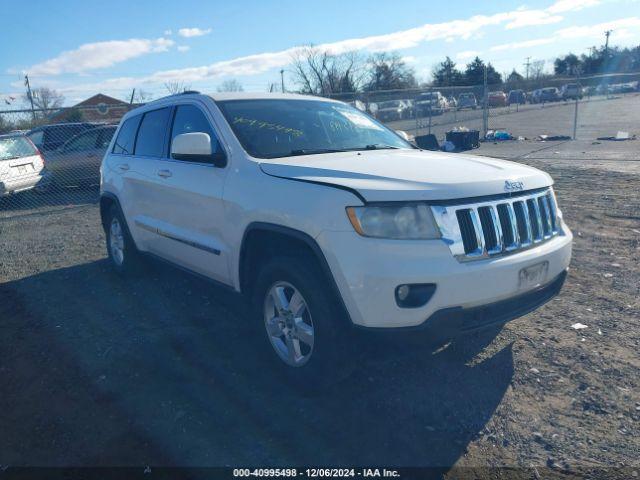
414, 295
402, 292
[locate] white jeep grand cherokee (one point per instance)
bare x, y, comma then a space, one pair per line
327, 220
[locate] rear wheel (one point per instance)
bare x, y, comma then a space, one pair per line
123, 255
304, 327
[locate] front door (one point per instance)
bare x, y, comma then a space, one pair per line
179, 210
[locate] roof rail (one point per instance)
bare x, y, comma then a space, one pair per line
186, 92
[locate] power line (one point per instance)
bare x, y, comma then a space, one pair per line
526, 65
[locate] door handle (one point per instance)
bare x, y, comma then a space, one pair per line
124, 167
164, 173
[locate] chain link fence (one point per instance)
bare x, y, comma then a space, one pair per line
50, 159
535, 110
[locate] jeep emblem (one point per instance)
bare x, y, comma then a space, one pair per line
513, 186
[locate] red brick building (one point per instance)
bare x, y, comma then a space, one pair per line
99, 108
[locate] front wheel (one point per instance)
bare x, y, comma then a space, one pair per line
305, 329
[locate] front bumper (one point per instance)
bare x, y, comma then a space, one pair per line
367, 272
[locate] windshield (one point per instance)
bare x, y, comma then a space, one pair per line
280, 128
16, 147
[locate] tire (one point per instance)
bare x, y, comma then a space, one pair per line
319, 333
124, 257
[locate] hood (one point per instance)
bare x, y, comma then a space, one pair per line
395, 175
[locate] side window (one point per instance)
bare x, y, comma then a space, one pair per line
190, 119
151, 135
37, 138
127, 136
85, 141
106, 134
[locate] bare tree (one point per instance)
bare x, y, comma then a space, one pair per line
142, 97
176, 87
320, 72
44, 98
388, 71
231, 85
537, 69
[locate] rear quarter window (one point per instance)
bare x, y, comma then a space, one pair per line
16, 147
127, 136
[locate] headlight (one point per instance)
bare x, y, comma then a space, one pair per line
555, 207
406, 221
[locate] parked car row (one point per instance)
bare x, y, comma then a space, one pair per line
435, 102
59, 154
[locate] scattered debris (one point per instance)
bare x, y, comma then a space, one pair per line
499, 135
607, 275
578, 326
448, 146
552, 138
534, 370
620, 136
463, 138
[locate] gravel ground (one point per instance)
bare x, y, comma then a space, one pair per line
163, 369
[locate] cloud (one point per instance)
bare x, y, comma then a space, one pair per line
193, 32
623, 28
460, 29
168, 32
183, 48
525, 44
467, 54
563, 6
92, 56
527, 18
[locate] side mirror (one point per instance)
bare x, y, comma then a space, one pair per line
196, 147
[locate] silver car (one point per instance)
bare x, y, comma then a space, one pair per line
21, 165
78, 161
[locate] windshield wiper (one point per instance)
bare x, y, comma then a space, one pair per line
315, 151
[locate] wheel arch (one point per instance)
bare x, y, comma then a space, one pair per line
107, 200
260, 240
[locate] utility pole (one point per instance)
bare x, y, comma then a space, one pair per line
133, 94
282, 79
575, 113
30, 95
526, 65
485, 113
606, 43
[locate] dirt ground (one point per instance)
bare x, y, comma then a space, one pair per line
163, 369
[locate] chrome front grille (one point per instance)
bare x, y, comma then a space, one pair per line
498, 227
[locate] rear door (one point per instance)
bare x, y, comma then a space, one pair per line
178, 204
77, 160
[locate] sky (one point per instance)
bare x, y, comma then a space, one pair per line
82, 47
